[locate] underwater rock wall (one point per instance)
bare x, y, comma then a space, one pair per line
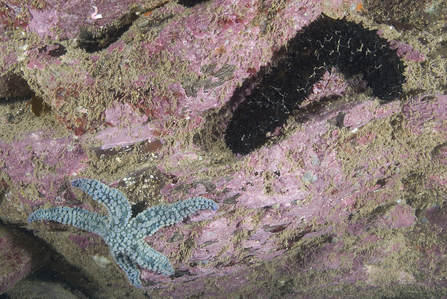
351, 191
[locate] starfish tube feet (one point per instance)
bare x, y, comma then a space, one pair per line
114, 200
154, 218
123, 234
151, 259
77, 217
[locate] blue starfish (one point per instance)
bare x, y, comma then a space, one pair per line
124, 234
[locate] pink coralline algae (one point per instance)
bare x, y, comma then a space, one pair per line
347, 200
61, 19
210, 55
18, 256
40, 159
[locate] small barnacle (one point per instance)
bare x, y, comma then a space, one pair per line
102, 261
95, 15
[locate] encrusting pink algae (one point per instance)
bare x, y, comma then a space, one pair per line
346, 198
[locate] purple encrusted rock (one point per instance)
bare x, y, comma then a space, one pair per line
347, 200
19, 256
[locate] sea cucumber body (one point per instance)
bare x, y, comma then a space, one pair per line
323, 44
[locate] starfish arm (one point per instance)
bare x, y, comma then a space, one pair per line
77, 217
148, 258
129, 267
151, 220
114, 200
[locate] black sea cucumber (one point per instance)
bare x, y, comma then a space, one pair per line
325, 43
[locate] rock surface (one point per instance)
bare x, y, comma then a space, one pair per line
19, 256
348, 200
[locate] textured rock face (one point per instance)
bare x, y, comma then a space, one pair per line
349, 197
19, 256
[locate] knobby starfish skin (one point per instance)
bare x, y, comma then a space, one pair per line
124, 234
